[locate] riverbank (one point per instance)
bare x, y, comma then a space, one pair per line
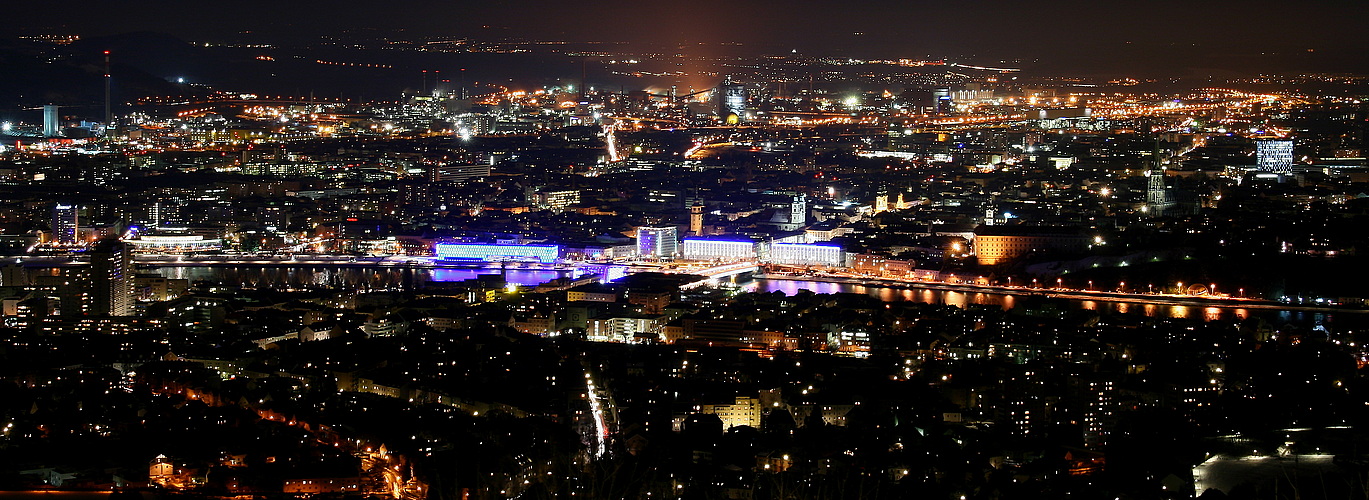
1096, 295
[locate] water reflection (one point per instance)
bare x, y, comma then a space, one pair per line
964, 299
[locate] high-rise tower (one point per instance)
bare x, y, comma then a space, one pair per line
65, 226
111, 278
1157, 195
52, 122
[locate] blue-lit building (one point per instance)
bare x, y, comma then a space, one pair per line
807, 254
732, 99
495, 252
657, 242
65, 224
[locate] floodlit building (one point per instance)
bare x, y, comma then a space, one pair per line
998, 244
732, 99
175, 244
112, 278
457, 173
657, 242
706, 248
807, 254
65, 223
1274, 156
494, 252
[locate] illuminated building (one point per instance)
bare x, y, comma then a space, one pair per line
558, 200
732, 101
623, 328
746, 411
798, 210
1274, 156
941, 97
704, 248
696, 219
65, 223
807, 254
175, 244
998, 244
161, 470
882, 202
112, 278
52, 123
490, 252
1099, 420
1157, 195
880, 265
657, 242
457, 173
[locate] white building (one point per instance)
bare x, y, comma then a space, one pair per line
719, 249
1275, 156
807, 254
623, 328
175, 244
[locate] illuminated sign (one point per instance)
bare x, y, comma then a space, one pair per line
495, 253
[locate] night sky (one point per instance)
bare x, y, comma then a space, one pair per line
1085, 31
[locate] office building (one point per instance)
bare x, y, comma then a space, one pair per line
66, 224
719, 248
1274, 156
557, 200
731, 99
52, 122
457, 173
657, 242
111, 279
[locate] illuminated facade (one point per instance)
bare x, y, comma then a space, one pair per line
558, 200
173, 244
807, 254
65, 223
732, 101
1274, 156
719, 249
52, 122
490, 252
112, 273
457, 173
998, 244
657, 242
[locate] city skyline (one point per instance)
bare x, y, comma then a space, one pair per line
723, 250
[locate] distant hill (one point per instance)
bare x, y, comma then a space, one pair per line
72, 77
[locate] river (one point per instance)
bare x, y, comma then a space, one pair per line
1010, 301
392, 278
